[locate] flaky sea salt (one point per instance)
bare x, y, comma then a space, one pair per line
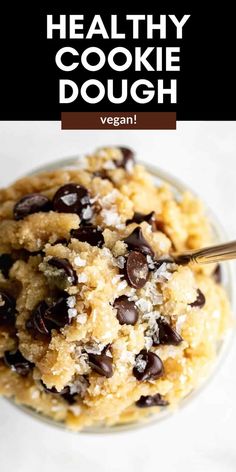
111, 218
69, 199
79, 262
140, 363
82, 318
72, 312
87, 213
82, 278
71, 301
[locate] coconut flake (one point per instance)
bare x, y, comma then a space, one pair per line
151, 291
122, 285
143, 305
115, 279
82, 318
79, 386
119, 262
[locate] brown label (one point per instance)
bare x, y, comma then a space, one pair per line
118, 120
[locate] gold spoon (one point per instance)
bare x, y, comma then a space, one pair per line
207, 255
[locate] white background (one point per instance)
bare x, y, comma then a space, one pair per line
200, 438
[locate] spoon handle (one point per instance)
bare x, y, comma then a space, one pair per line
221, 252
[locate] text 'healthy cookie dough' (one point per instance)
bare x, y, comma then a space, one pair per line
97, 324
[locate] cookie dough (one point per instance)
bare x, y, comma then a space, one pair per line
98, 325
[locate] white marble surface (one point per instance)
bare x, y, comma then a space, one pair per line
200, 438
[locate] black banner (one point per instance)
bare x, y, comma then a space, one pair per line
30, 80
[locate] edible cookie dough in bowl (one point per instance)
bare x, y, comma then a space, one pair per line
99, 328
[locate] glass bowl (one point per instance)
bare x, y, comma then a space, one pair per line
159, 176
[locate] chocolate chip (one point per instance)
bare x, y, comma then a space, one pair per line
136, 242
102, 174
57, 313
136, 269
31, 203
54, 391
70, 397
24, 254
166, 334
127, 158
64, 393
66, 267
101, 364
62, 241
6, 262
47, 317
140, 217
7, 309
160, 226
154, 400
73, 198
17, 362
200, 300
89, 234
127, 312
217, 274
37, 324
106, 349
148, 366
